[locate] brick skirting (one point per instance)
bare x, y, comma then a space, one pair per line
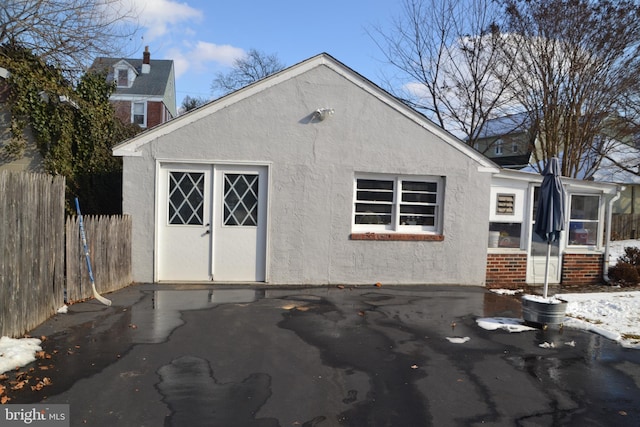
506, 270
510, 270
582, 269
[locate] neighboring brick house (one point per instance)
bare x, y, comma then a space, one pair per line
146, 91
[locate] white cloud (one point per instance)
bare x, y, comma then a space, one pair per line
198, 57
158, 17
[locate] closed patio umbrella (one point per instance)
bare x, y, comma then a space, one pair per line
550, 213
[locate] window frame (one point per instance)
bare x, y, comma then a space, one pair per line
117, 77
598, 221
498, 148
144, 113
394, 226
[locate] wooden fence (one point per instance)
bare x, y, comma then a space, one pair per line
32, 245
34, 260
625, 226
109, 243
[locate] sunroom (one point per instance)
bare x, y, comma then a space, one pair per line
517, 256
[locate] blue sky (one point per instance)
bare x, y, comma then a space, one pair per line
203, 37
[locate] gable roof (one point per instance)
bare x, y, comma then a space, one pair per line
153, 83
132, 147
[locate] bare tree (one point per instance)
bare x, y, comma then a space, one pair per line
191, 103
254, 66
577, 65
67, 33
445, 52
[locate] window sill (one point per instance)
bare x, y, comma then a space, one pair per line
398, 237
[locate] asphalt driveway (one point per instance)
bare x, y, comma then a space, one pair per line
247, 356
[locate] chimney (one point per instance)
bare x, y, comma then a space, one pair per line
146, 61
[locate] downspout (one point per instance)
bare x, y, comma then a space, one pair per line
605, 263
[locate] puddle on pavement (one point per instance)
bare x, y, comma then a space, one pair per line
159, 313
195, 397
87, 348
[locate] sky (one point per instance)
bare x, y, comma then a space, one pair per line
204, 37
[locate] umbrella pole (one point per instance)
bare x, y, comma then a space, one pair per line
546, 270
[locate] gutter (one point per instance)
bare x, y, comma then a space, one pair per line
605, 263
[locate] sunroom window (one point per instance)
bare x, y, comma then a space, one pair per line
584, 220
407, 204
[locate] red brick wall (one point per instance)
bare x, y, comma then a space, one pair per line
510, 270
582, 269
506, 270
154, 113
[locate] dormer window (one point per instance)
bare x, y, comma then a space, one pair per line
124, 74
123, 77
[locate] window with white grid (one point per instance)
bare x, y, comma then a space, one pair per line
407, 204
186, 198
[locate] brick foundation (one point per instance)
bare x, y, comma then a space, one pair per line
582, 269
506, 270
510, 270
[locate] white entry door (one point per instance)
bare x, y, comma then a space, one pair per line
184, 223
239, 223
212, 223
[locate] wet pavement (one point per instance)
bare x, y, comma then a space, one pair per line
197, 355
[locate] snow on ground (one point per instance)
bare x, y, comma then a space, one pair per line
616, 249
16, 353
614, 315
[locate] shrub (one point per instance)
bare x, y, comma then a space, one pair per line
626, 272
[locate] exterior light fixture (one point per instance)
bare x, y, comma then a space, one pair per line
322, 113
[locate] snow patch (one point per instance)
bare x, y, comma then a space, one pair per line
15, 353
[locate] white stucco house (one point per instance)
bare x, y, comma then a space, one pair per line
315, 175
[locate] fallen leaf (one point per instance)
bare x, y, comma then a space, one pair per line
44, 368
19, 385
2, 389
378, 284
361, 313
414, 366
40, 354
340, 286
4, 399
3, 377
622, 412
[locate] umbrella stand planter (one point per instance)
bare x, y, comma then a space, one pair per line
549, 222
543, 311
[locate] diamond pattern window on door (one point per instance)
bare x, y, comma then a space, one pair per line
240, 200
186, 198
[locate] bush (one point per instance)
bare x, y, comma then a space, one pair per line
626, 272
